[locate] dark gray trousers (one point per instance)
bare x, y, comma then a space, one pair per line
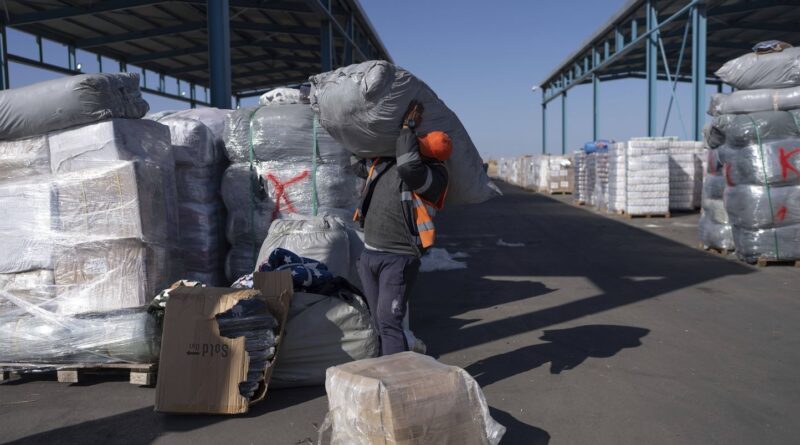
387, 279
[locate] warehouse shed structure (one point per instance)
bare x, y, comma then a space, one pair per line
673, 41
225, 49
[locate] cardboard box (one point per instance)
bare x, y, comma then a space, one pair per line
199, 370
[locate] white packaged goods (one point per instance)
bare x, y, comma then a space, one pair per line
279, 133
580, 176
323, 331
755, 71
601, 180
590, 177
285, 96
326, 239
646, 176
24, 157
27, 210
405, 399
553, 174
362, 105
617, 160
751, 101
67, 102
685, 174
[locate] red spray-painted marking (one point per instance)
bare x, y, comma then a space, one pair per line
787, 166
781, 215
728, 170
280, 192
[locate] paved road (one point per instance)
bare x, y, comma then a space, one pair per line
597, 330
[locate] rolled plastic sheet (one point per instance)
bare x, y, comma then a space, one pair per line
751, 101
68, 102
362, 107
754, 71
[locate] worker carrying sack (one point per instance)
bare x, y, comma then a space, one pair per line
362, 106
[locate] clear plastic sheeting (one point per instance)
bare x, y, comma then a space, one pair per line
756, 71
362, 105
193, 143
279, 133
69, 101
24, 157
774, 163
600, 195
580, 177
617, 159
759, 207
323, 331
590, 177
739, 130
406, 398
751, 101
685, 174
647, 176
284, 96
714, 228
781, 243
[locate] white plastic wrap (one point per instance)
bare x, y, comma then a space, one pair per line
24, 157
600, 196
580, 177
405, 399
751, 101
69, 101
590, 177
617, 161
755, 71
685, 174
647, 176
362, 106
714, 227
283, 96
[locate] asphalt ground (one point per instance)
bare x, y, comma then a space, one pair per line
581, 328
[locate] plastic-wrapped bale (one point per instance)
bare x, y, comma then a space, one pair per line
24, 157
739, 130
580, 176
647, 183
406, 398
777, 243
203, 243
326, 239
279, 133
601, 180
757, 71
200, 185
751, 101
685, 175
590, 178
35, 287
526, 175
617, 161
323, 331
362, 105
283, 96
714, 227
557, 174
27, 211
213, 118
68, 102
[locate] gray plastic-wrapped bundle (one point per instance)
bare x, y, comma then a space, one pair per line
759, 207
203, 243
279, 133
193, 143
754, 71
199, 184
323, 331
738, 130
69, 101
781, 243
714, 227
362, 105
283, 96
773, 163
406, 398
24, 157
751, 101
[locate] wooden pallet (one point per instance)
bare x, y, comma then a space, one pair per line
559, 192
715, 250
764, 262
143, 374
580, 203
648, 215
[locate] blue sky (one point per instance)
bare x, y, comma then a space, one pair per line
482, 58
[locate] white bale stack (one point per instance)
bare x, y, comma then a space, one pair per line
600, 196
685, 175
647, 177
617, 175
590, 178
580, 176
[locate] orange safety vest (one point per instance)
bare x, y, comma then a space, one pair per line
423, 211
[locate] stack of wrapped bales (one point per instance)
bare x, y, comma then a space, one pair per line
590, 177
714, 227
283, 165
617, 159
580, 176
685, 174
200, 159
89, 221
756, 132
528, 163
646, 176
600, 196
554, 174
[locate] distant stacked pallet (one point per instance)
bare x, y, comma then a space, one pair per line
685, 174
644, 177
616, 177
579, 162
557, 174
590, 177
600, 197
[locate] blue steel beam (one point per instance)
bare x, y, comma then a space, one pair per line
280, 29
219, 52
628, 48
323, 10
168, 54
76, 11
4, 81
544, 126
673, 98
244, 60
326, 36
651, 67
698, 69
137, 35
564, 123
595, 114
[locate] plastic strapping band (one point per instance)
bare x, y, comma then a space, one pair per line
766, 185
256, 244
314, 152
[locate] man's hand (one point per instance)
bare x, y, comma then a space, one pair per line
413, 116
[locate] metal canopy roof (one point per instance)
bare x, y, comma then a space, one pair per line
733, 27
272, 42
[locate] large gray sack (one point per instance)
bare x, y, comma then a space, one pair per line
69, 101
754, 71
323, 331
738, 130
751, 101
774, 163
362, 107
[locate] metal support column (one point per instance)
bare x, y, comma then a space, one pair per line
651, 68
123, 66
698, 69
326, 40
72, 58
99, 63
348, 47
219, 52
595, 106
544, 125
41, 48
4, 82
192, 95
564, 123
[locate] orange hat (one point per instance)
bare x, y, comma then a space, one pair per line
437, 145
